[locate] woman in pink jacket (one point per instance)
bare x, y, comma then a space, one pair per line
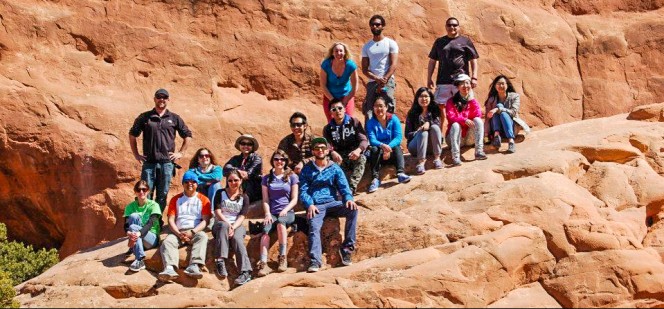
463, 112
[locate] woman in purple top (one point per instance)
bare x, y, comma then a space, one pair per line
280, 192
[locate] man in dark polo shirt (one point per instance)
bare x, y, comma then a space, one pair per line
158, 127
455, 55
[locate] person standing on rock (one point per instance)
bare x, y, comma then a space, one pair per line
455, 55
158, 127
379, 62
188, 214
348, 141
338, 78
325, 191
297, 144
142, 218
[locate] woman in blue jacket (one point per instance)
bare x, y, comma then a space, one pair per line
384, 131
204, 164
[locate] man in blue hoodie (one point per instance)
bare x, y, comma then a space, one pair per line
321, 182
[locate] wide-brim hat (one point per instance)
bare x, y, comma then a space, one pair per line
249, 137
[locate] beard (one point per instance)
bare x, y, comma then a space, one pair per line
376, 31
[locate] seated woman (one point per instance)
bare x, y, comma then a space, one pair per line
204, 164
384, 131
297, 144
502, 106
280, 191
338, 78
249, 164
142, 224
423, 129
230, 207
463, 113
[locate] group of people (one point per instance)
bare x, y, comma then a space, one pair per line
319, 172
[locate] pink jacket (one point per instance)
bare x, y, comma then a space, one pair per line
471, 111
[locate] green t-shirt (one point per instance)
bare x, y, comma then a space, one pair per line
149, 208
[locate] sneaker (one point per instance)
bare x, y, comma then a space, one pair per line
243, 278
137, 265
168, 274
456, 162
220, 266
480, 156
283, 264
511, 147
263, 269
346, 255
374, 185
419, 169
313, 268
496, 141
437, 164
403, 178
193, 271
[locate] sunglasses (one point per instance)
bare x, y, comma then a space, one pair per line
297, 124
202, 156
246, 144
142, 190
376, 24
334, 109
162, 97
280, 159
233, 180
320, 148
452, 25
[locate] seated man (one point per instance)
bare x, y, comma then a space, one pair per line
321, 182
188, 214
348, 141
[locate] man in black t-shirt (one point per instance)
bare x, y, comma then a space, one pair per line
158, 127
455, 54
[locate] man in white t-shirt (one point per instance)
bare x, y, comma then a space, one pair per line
188, 214
379, 61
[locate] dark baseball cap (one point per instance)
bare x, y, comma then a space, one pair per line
318, 140
162, 91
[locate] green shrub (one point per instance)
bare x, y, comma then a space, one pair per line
7, 292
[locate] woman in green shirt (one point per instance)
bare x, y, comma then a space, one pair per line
142, 224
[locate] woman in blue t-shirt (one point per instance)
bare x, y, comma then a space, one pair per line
338, 78
280, 191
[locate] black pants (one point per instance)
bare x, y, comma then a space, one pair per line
376, 160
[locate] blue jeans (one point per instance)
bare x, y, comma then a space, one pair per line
503, 123
337, 209
147, 241
158, 174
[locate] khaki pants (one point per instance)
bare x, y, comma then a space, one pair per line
170, 254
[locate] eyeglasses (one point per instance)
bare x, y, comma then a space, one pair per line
280, 159
233, 180
143, 190
376, 24
319, 148
246, 144
203, 156
162, 97
297, 124
334, 109
452, 25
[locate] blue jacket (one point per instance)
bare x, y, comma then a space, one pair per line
391, 135
321, 187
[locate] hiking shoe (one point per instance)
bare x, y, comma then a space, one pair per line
456, 162
480, 156
437, 164
137, 265
403, 178
313, 268
496, 141
511, 147
283, 264
419, 168
263, 269
375, 183
220, 266
193, 271
168, 274
243, 278
346, 255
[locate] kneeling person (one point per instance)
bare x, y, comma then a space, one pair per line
348, 141
321, 183
188, 214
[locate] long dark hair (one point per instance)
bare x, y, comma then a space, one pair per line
194, 161
416, 109
493, 93
287, 170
